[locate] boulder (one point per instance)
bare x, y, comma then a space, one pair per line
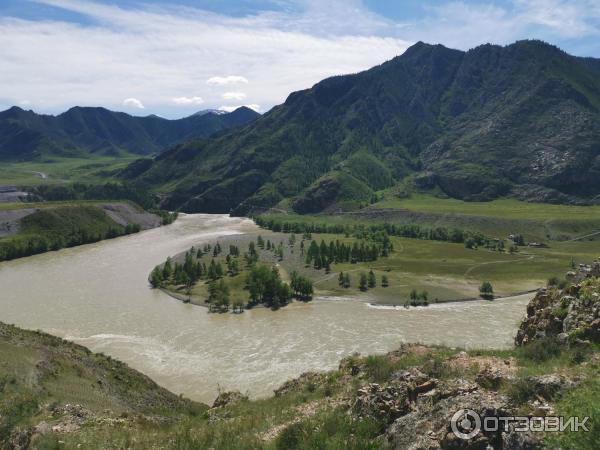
429, 425
229, 398
306, 381
382, 403
491, 377
551, 386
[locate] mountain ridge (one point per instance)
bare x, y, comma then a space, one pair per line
26, 135
519, 120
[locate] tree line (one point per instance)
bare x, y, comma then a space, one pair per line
366, 281
32, 244
323, 255
372, 231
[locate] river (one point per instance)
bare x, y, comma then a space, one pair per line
98, 295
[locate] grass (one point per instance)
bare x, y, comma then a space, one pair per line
61, 170
581, 402
501, 208
497, 218
447, 271
59, 226
450, 271
40, 371
55, 204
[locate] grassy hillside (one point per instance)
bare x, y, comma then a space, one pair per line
59, 395
45, 380
53, 227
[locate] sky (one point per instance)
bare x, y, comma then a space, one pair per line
173, 58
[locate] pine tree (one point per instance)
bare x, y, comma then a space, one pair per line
156, 277
219, 270
363, 282
371, 280
384, 281
347, 280
486, 290
167, 270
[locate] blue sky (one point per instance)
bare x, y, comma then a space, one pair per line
175, 57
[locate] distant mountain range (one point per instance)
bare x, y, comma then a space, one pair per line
521, 120
25, 135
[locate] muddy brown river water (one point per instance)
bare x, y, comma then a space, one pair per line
98, 295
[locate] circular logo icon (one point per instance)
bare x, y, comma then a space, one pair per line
465, 423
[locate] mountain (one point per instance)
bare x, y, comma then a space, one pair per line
25, 135
521, 120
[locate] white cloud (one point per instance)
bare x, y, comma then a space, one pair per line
253, 106
133, 103
234, 96
223, 81
149, 54
186, 101
465, 24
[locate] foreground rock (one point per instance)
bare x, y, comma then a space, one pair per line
569, 315
229, 398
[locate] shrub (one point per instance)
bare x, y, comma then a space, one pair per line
541, 350
520, 391
290, 437
486, 290
561, 313
379, 368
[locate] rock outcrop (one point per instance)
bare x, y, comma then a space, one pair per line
229, 398
569, 315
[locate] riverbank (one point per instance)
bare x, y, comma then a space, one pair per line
28, 229
461, 300
441, 272
97, 295
397, 398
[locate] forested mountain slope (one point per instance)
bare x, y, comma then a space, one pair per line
25, 135
519, 120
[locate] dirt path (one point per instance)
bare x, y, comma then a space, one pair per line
476, 266
583, 237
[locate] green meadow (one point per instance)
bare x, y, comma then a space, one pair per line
62, 170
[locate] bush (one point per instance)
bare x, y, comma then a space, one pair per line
561, 313
290, 437
553, 281
379, 368
486, 290
541, 350
520, 391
